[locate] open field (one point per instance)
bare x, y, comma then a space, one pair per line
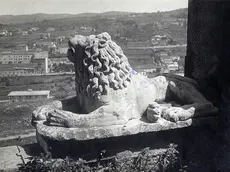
57, 84
15, 117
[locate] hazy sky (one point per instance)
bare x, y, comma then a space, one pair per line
79, 6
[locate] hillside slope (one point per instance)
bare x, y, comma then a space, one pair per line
38, 17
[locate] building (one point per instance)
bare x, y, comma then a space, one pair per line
44, 35
35, 49
175, 58
62, 50
161, 55
42, 65
50, 29
33, 66
15, 57
41, 55
60, 60
45, 45
3, 33
22, 47
173, 67
21, 69
60, 38
25, 71
18, 71
146, 69
160, 40
24, 33
167, 60
29, 95
33, 29
146, 72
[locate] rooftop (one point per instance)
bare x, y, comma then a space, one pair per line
146, 66
29, 93
17, 53
22, 45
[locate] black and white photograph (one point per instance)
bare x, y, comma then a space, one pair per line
115, 86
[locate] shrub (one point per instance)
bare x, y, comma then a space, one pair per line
145, 161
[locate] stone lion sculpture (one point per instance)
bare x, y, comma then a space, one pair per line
110, 92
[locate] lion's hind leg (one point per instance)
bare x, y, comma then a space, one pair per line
189, 97
195, 110
202, 109
175, 114
166, 111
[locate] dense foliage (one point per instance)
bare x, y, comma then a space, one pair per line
63, 67
144, 161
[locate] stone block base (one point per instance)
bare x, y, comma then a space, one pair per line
136, 135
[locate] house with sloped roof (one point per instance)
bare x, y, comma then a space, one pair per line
29, 95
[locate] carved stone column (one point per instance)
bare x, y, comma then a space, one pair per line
208, 50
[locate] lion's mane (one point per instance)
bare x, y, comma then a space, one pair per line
100, 64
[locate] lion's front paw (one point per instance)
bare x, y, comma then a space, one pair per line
154, 112
62, 118
175, 114
40, 114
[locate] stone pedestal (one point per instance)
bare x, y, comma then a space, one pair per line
136, 135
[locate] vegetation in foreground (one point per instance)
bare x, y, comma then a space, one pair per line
145, 161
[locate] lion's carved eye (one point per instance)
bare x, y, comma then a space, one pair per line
102, 43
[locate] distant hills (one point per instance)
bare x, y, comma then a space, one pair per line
16, 19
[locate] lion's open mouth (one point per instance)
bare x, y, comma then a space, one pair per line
70, 53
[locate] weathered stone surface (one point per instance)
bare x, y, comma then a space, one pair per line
158, 137
11, 157
112, 100
110, 92
131, 128
208, 62
207, 59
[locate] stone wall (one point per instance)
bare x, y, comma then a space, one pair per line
208, 62
208, 51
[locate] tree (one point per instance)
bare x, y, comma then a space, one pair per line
6, 81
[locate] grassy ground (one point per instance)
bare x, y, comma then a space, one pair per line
58, 85
19, 142
15, 117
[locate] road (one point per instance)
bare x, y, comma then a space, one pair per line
160, 47
32, 133
44, 74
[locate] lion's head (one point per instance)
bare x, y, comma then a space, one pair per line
99, 63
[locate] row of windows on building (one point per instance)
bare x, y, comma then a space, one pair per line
14, 62
16, 59
19, 56
12, 73
29, 97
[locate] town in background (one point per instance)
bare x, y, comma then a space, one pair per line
34, 68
